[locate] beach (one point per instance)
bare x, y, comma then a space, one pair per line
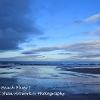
76, 83
70, 97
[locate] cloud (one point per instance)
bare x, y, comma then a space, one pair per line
23, 58
91, 55
85, 50
42, 49
78, 51
96, 32
87, 56
28, 52
84, 47
15, 23
92, 19
64, 53
43, 38
78, 47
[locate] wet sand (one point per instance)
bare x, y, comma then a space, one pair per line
69, 97
86, 70
75, 85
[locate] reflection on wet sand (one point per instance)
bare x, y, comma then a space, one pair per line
51, 78
86, 70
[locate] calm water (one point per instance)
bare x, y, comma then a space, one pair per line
50, 78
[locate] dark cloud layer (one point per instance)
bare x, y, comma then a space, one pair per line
90, 56
15, 23
21, 58
78, 47
42, 49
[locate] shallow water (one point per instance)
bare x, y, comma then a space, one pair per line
50, 78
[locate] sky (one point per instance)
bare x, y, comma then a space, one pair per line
49, 30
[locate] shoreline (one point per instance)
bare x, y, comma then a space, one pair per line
68, 97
